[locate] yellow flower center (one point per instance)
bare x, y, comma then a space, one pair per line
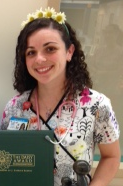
40, 14
49, 14
59, 18
31, 18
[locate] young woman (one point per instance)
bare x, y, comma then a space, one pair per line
55, 93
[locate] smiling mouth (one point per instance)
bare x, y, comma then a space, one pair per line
42, 70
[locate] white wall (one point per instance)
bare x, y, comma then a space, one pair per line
12, 13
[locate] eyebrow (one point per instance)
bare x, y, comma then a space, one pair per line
31, 47
49, 43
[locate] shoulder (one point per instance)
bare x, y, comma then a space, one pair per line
102, 99
14, 105
18, 98
92, 97
14, 108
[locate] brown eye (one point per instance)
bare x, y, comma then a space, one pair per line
51, 49
30, 53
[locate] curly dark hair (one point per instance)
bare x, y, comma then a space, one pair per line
76, 71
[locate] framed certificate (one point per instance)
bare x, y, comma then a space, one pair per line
26, 158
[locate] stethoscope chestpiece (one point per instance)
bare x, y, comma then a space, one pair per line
66, 181
82, 168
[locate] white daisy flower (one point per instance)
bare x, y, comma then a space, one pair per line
39, 13
24, 23
60, 17
49, 12
30, 17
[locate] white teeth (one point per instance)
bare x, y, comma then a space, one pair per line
43, 69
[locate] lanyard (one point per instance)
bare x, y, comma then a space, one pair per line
37, 110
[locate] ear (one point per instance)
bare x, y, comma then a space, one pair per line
70, 52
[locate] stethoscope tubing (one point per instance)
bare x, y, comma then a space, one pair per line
59, 115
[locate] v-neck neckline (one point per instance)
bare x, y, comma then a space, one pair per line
55, 109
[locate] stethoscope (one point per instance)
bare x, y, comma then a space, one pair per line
59, 115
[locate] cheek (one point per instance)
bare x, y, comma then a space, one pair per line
29, 67
53, 58
29, 63
59, 58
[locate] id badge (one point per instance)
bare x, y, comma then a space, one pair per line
17, 123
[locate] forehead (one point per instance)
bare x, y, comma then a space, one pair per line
45, 35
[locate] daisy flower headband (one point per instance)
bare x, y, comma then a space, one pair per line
59, 17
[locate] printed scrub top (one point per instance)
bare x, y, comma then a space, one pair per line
95, 122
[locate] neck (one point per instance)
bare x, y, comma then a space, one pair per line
48, 99
50, 92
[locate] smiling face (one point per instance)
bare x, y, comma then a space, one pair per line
46, 56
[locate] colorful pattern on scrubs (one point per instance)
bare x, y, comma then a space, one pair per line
95, 122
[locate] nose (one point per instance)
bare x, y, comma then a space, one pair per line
40, 58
